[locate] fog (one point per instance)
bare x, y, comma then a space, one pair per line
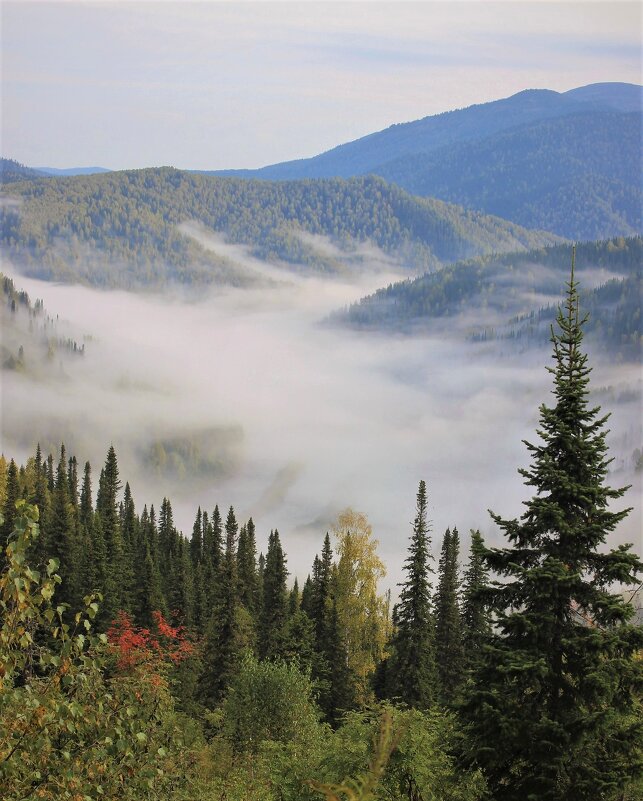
291, 421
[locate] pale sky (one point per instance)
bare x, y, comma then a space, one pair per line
214, 85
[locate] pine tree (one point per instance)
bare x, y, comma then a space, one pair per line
449, 654
411, 666
551, 712
476, 620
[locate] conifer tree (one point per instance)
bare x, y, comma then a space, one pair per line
275, 601
449, 654
411, 668
62, 545
551, 713
196, 542
247, 566
149, 597
109, 486
41, 499
9, 509
476, 620
222, 645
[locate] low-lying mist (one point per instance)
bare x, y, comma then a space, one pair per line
241, 397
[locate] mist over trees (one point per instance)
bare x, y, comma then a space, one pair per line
516, 676
123, 230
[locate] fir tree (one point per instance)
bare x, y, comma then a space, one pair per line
107, 508
449, 654
9, 509
551, 713
411, 668
275, 600
222, 641
196, 543
247, 567
62, 545
476, 620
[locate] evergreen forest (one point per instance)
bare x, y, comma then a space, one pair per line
141, 662
123, 229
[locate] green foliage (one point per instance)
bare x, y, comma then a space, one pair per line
571, 175
410, 670
551, 712
398, 754
504, 288
449, 654
268, 701
71, 725
122, 228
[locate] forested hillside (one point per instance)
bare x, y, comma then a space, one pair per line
12, 171
32, 341
122, 229
578, 176
514, 296
566, 162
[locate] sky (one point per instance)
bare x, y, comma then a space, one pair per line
216, 85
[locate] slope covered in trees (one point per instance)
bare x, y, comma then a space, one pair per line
123, 229
514, 297
32, 338
566, 162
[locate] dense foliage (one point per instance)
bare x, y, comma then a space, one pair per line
573, 175
558, 684
511, 297
122, 228
138, 663
568, 163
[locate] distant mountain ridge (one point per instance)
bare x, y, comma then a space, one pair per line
125, 228
514, 296
72, 170
406, 154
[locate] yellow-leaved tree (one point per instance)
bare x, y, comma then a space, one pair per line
362, 612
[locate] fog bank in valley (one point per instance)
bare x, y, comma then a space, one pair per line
241, 397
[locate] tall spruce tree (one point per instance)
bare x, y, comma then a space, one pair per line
247, 567
476, 620
411, 666
449, 654
551, 714
275, 601
222, 640
109, 486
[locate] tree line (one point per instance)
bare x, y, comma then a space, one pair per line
520, 679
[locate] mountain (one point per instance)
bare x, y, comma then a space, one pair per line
127, 229
514, 296
72, 170
12, 171
520, 149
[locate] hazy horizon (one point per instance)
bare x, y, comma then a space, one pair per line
214, 85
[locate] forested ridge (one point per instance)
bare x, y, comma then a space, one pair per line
26, 323
511, 296
565, 162
122, 229
193, 667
